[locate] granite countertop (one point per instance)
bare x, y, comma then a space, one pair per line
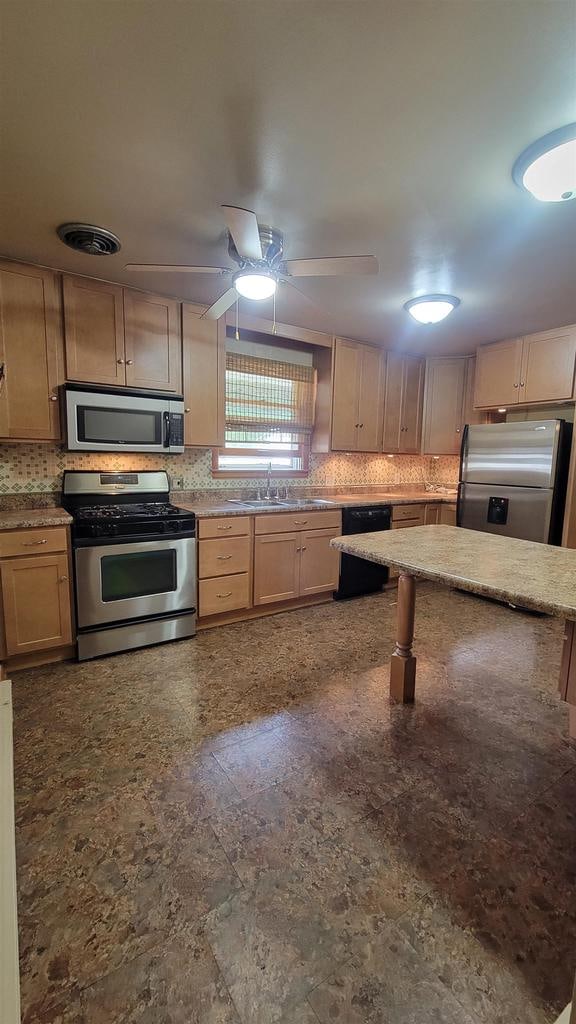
25, 518
211, 507
537, 576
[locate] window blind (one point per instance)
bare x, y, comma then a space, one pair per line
268, 402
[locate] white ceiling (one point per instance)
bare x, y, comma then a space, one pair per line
355, 126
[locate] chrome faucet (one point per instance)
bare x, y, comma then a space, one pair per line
268, 492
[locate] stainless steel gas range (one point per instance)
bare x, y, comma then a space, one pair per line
134, 561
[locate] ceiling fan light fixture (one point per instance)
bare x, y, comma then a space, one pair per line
547, 168
431, 309
255, 284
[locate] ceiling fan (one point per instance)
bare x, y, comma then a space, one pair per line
258, 250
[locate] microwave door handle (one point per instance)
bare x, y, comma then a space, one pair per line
166, 417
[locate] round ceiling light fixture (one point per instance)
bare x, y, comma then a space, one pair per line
547, 168
255, 284
431, 309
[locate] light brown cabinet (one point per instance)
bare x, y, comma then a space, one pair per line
118, 337
432, 515
444, 396
356, 397
204, 362
291, 565
31, 352
534, 369
448, 514
152, 346
36, 595
403, 403
224, 565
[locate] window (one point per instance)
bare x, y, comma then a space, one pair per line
269, 416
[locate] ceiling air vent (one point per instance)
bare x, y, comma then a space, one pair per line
89, 238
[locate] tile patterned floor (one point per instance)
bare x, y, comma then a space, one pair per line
241, 829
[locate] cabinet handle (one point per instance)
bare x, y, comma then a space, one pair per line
120, 362
223, 558
2, 376
53, 398
187, 410
300, 522
129, 362
360, 424
63, 579
457, 430
33, 543
522, 384
223, 527
227, 594
303, 549
516, 385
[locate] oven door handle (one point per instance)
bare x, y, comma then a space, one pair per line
166, 419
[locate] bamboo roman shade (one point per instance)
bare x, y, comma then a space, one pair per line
267, 399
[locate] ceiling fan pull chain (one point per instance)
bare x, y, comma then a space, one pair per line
274, 313
237, 327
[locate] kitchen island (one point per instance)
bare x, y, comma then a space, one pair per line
535, 576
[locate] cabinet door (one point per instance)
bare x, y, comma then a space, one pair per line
94, 331
469, 413
548, 366
370, 401
497, 380
152, 342
30, 352
432, 514
448, 515
36, 599
319, 564
276, 567
443, 406
347, 362
392, 402
412, 395
204, 359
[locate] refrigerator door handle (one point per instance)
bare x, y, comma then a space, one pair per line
459, 504
463, 453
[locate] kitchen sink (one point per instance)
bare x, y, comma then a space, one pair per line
278, 502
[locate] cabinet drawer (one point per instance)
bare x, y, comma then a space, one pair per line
33, 542
231, 526
405, 523
288, 522
223, 595
400, 512
223, 557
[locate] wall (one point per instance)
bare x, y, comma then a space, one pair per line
36, 468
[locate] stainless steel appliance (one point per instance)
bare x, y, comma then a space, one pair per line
513, 478
134, 561
114, 420
357, 575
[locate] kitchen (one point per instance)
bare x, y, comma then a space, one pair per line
205, 492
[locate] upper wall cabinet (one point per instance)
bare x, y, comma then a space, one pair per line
537, 368
356, 397
31, 358
204, 359
444, 396
403, 403
119, 337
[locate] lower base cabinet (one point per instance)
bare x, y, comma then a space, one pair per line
35, 596
291, 565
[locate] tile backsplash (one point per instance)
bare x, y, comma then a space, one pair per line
38, 468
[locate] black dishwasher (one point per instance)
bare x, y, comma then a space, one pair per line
357, 576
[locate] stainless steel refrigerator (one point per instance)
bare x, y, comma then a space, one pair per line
513, 478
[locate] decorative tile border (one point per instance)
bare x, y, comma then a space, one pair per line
29, 469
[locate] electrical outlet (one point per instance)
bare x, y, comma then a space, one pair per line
177, 483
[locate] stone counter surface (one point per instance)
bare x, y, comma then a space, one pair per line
211, 507
26, 518
537, 576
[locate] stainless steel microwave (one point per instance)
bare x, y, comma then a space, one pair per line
110, 420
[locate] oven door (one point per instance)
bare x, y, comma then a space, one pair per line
120, 582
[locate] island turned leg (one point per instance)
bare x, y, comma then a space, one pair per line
403, 662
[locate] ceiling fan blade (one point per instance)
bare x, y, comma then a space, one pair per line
330, 266
243, 226
219, 307
176, 268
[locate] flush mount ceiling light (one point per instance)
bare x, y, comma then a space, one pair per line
431, 309
547, 168
255, 284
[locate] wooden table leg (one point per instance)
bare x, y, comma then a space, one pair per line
403, 662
